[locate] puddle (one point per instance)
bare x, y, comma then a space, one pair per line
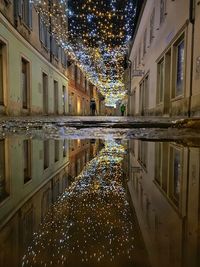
98, 198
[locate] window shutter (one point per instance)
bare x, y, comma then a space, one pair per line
30, 15
16, 9
40, 29
48, 40
20, 8
65, 61
59, 52
53, 46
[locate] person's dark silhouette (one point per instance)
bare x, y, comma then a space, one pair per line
123, 108
93, 107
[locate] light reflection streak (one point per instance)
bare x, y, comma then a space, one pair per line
91, 222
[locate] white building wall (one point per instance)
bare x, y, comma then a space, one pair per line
176, 20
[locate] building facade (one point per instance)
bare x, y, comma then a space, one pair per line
33, 77
36, 77
165, 60
79, 92
164, 187
27, 189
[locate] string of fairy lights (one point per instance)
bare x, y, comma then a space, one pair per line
91, 222
95, 34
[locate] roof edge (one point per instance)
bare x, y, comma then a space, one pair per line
137, 26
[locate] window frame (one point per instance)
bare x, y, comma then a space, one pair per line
46, 148
152, 26
6, 172
163, 6
159, 70
26, 106
5, 81
173, 199
180, 41
28, 171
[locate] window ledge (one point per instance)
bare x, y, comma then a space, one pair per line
6, 199
177, 98
169, 200
142, 165
44, 47
28, 182
23, 23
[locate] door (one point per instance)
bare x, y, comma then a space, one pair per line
56, 104
64, 98
45, 93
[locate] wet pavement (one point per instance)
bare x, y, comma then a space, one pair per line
87, 121
99, 197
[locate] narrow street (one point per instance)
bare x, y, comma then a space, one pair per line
99, 133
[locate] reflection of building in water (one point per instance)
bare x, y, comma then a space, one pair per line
27, 189
80, 152
4, 181
166, 201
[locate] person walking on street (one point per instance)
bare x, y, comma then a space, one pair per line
93, 106
123, 108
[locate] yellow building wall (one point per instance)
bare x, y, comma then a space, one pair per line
17, 48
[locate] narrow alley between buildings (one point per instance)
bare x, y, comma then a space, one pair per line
99, 133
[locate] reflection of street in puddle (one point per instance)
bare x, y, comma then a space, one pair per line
91, 224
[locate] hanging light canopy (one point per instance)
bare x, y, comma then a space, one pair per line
95, 34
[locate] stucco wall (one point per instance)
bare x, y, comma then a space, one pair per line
16, 48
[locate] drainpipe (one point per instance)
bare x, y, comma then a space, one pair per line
192, 21
130, 82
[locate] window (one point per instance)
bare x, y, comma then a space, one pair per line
4, 184
78, 75
142, 153
46, 201
25, 12
158, 165
152, 22
56, 97
46, 154
161, 84
2, 71
146, 92
141, 99
64, 148
63, 58
180, 63
145, 42
56, 151
44, 34
139, 56
162, 10
136, 62
87, 86
144, 95
161, 165
64, 95
73, 71
56, 188
26, 227
83, 81
55, 48
45, 92
176, 175
25, 82
27, 160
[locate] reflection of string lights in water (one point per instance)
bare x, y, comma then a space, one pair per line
91, 222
